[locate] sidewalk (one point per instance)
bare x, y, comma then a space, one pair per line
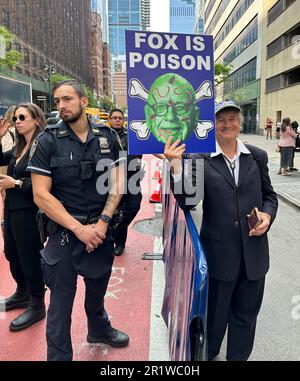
287, 187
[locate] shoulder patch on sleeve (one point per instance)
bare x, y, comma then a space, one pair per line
33, 148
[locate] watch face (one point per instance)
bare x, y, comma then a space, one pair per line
105, 218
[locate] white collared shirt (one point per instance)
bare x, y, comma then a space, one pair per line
241, 148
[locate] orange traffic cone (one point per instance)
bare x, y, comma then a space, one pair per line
156, 185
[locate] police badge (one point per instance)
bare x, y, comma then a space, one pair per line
104, 146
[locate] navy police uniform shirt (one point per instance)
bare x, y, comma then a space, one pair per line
72, 165
133, 161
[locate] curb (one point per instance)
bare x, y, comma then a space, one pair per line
288, 199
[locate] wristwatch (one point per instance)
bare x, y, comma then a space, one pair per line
18, 184
105, 218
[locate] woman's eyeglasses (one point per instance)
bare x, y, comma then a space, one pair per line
21, 117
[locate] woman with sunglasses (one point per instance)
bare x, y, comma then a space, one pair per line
21, 237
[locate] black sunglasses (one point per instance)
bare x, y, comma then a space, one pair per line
21, 118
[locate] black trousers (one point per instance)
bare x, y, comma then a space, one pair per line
130, 206
61, 278
234, 305
22, 247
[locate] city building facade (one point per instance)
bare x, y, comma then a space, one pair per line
145, 14
122, 15
107, 78
120, 86
57, 33
199, 17
280, 76
182, 16
260, 40
236, 26
103, 6
96, 52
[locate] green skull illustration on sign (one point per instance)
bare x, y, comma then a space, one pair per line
171, 108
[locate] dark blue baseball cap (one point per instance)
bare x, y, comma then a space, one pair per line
226, 105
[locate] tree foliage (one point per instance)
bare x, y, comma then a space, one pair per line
90, 96
57, 78
107, 104
88, 92
221, 73
12, 57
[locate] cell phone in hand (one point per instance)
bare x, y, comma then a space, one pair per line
254, 219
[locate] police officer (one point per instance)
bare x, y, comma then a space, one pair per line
75, 177
131, 201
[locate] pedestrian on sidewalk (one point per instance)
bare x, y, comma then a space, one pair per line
294, 126
287, 145
131, 201
236, 180
269, 126
67, 163
21, 237
278, 126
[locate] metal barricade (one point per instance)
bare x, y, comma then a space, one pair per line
186, 282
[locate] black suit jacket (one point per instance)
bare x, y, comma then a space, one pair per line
17, 198
225, 241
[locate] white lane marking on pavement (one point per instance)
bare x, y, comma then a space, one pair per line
159, 347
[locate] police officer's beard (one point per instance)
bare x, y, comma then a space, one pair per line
73, 118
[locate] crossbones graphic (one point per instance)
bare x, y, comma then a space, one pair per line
137, 90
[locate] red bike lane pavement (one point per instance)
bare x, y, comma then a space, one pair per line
128, 304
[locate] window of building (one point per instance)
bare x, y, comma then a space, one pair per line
221, 8
209, 8
15, 28
277, 9
34, 61
293, 77
5, 18
245, 39
275, 47
238, 11
283, 80
26, 56
241, 77
283, 41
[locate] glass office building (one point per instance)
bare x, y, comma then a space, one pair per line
122, 15
182, 16
95, 6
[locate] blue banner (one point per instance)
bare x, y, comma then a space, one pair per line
170, 82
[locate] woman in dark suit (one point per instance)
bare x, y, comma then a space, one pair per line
236, 180
21, 237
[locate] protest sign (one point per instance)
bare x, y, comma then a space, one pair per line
170, 84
